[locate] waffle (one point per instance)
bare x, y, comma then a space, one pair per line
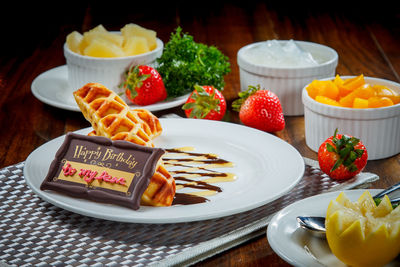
111, 117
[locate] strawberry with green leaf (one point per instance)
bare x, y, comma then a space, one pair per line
342, 156
143, 85
205, 102
260, 109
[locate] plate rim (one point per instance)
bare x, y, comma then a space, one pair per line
273, 225
47, 196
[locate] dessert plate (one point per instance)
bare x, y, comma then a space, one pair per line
297, 246
52, 87
260, 160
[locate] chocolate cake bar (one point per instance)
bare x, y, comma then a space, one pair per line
102, 170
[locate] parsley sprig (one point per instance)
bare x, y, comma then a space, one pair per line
185, 63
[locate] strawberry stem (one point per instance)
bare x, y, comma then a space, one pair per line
344, 147
243, 96
133, 79
204, 102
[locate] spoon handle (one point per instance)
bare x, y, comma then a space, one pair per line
388, 190
395, 200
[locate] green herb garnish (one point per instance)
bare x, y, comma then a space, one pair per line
185, 63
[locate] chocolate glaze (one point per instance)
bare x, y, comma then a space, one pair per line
146, 158
197, 184
187, 199
184, 182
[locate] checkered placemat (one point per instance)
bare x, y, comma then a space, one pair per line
36, 233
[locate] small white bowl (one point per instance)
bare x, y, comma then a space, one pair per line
287, 83
377, 128
107, 71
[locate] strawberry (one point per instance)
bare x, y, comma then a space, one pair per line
143, 85
205, 102
342, 156
260, 109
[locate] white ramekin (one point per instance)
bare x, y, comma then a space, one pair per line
287, 83
377, 128
107, 71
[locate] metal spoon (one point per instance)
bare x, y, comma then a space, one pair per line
316, 225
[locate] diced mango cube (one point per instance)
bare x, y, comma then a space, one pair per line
378, 102
382, 90
363, 92
360, 103
135, 45
322, 88
349, 85
327, 100
354, 83
338, 80
347, 101
132, 29
103, 48
312, 88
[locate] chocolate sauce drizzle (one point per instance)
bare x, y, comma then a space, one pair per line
196, 171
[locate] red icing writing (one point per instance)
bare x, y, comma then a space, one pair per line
90, 175
108, 178
68, 170
87, 175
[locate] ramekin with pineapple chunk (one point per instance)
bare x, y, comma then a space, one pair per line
378, 128
103, 56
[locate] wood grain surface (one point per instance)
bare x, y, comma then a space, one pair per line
366, 37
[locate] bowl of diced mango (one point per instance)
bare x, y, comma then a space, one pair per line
103, 56
366, 107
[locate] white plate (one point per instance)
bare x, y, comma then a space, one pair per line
261, 165
298, 247
52, 87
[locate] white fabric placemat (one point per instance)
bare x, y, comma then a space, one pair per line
34, 232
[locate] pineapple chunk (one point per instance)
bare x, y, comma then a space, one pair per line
73, 41
100, 32
103, 48
135, 45
136, 30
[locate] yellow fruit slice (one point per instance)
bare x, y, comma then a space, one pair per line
354, 83
132, 29
363, 92
360, 103
379, 102
327, 100
135, 45
103, 48
361, 233
74, 40
384, 91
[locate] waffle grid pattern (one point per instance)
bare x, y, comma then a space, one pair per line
36, 233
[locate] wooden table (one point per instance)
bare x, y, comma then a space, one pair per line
366, 39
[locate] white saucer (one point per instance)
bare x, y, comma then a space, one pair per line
300, 248
52, 87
